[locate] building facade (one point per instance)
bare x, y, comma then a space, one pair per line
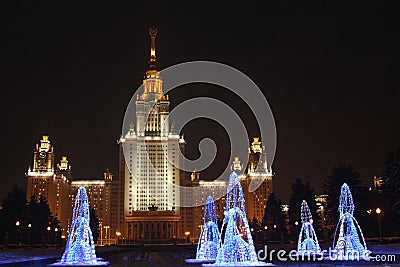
150, 164
117, 202
256, 180
54, 183
193, 215
99, 194
46, 181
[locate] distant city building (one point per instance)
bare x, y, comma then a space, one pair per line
99, 194
192, 216
117, 202
256, 180
151, 205
55, 185
257, 171
320, 201
378, 181
44, 182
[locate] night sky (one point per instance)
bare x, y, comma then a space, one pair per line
327, 68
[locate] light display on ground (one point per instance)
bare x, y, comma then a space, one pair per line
308, 241
237, 248
209, 240
348, 242
80, 250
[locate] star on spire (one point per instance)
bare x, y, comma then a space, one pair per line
153, 33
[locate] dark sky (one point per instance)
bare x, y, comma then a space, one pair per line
328, 69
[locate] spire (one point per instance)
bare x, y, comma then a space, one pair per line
152, 81
153, 33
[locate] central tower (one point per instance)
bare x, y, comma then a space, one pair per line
152, 107
150, 163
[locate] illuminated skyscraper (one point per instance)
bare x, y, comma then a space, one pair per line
44, 182
257, 173
151, 206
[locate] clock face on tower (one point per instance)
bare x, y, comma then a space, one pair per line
42, 154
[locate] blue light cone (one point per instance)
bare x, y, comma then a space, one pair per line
350, 242
209, 241
80, 250
308, 241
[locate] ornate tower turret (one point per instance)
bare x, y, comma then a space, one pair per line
46, 181
43, 156
152, 122
64, 168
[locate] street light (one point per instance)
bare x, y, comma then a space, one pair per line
101, 234
55, 235
29, 233
187, 233
17, 223
118, 233
378, 212
297, 228
107, 227
48, 234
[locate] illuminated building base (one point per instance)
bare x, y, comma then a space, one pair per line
152, 226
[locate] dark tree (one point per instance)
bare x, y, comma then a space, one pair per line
390, 195
42, 221
391, 183
255, 228
255, 224
13, 210
31, 210
94, 224
55, 228
31, 217
37, 213
344, 173
274, 219
34, 213
300, 192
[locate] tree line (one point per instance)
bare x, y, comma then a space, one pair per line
278, 224
31, 222
27, 222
